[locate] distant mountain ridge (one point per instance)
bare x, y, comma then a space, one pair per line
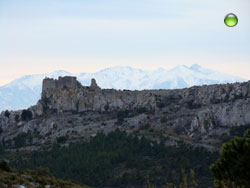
25, 91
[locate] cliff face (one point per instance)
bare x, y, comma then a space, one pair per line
93, 98
217, 105
204, 110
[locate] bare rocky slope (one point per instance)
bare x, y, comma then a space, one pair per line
67, 110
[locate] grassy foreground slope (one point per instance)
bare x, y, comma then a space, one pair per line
30, 178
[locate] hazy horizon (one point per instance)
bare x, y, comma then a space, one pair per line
150, 70
87, 36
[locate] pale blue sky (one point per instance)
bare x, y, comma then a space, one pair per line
86, 36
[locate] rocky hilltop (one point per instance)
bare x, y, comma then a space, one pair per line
196, 115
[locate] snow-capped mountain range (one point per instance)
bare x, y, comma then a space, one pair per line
26, 91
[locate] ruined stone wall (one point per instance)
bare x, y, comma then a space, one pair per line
66, 81
48, 83
62, 82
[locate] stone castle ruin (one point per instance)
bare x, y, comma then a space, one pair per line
65, 82
62, 82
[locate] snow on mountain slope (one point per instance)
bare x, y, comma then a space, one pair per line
26, 91
116, 77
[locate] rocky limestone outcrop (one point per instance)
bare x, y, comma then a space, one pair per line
80, 99
216, 105
94, 85
199, 110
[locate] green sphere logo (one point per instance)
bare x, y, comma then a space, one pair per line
231, 20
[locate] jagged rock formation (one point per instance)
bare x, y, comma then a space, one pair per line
204, 110
94, 85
